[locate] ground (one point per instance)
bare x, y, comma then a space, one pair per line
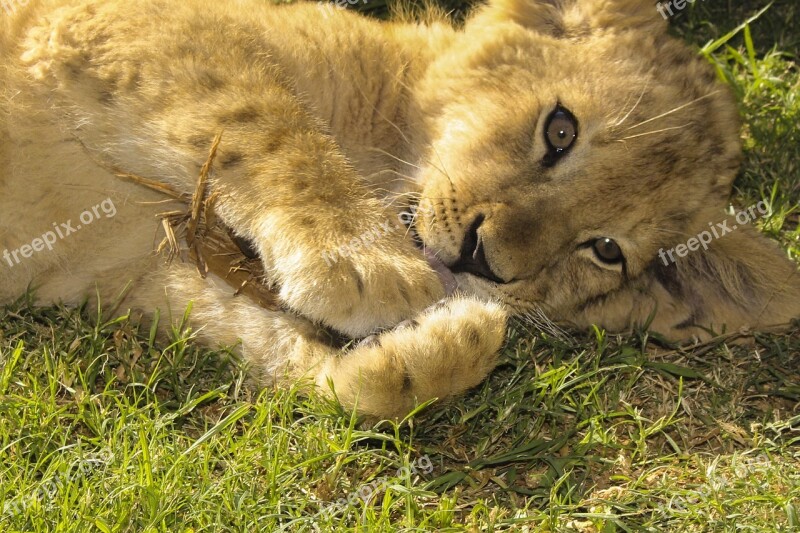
106, 429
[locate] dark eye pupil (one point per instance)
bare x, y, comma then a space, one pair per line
608, 250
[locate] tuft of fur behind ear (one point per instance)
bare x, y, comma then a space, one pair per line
744, 280
576, 18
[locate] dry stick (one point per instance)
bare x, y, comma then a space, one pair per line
198, 202
210, 245
200, 192
153, 184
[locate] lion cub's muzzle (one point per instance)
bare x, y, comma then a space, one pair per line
472, 256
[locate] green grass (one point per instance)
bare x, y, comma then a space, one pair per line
102, 428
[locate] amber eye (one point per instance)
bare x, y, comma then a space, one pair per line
560, 132
607, 251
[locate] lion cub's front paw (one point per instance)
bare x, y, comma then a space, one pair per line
375, 288
449, 348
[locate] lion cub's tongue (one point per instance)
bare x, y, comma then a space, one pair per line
447, 278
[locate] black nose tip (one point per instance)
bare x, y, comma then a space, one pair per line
472, 257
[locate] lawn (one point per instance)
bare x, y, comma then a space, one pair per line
104, 428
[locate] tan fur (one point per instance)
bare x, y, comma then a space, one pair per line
329, 118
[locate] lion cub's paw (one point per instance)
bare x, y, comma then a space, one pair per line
448, 349
374, 289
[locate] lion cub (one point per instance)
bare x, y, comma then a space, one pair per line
554, 153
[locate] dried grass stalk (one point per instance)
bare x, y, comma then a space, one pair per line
197, 234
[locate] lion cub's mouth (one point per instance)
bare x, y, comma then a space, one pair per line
446, 276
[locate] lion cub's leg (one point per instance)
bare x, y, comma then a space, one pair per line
282, 183
289, 189
448, 349
268, 340
451, 347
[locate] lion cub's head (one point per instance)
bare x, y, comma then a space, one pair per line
574, 156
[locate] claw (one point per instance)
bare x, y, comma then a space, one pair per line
438, 305
407, 324
370, 341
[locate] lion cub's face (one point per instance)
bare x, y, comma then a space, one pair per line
564, 152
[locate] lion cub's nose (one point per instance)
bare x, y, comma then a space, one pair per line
472, 257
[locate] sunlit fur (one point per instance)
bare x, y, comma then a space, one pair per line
333, 122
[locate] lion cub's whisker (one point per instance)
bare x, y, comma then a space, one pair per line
653, 132
684, 106
639, 101
384, 152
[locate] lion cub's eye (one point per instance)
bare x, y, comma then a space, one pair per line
607, 251
560, 132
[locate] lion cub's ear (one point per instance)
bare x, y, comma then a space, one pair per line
742, 280
576, 18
